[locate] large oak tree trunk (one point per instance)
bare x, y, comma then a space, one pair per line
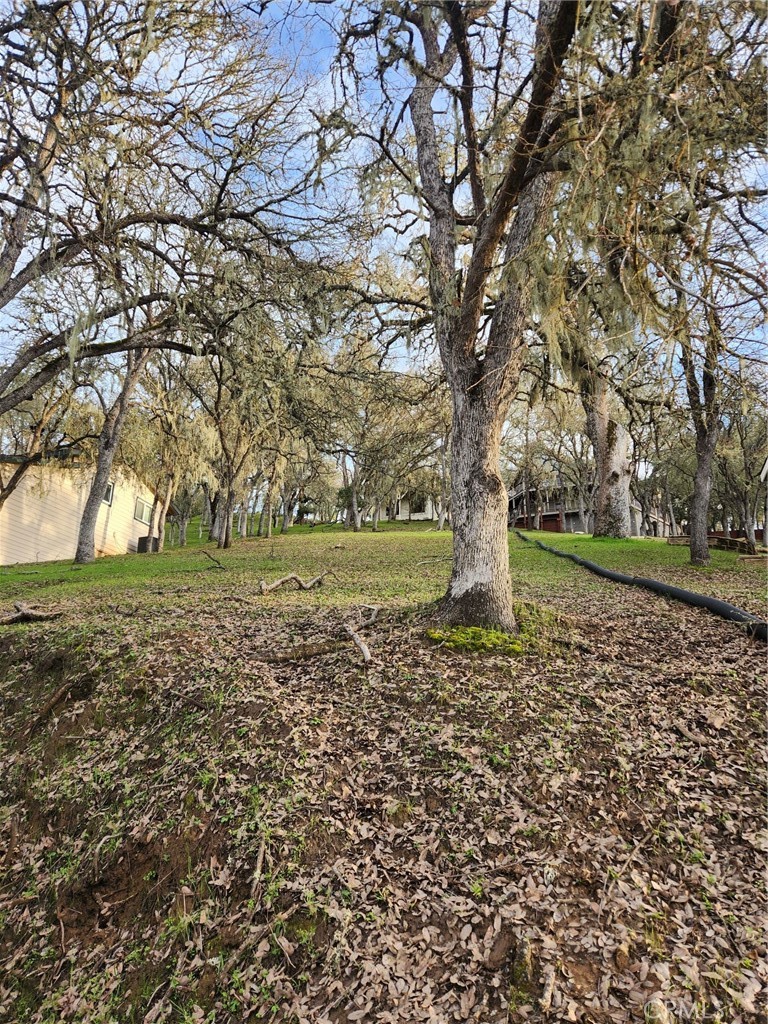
480, 591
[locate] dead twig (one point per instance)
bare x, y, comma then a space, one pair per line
216, 562
28, 613
267, 588
524, 798
189, 700
694, 737
359, 643
254, 939
259, 866
549, 989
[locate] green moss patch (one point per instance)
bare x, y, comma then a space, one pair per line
533, 621
475, 640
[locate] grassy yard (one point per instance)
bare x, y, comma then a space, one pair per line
214, 812
405, 566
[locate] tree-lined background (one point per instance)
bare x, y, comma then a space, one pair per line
296, 263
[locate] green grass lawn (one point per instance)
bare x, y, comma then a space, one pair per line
638, 556
399, 566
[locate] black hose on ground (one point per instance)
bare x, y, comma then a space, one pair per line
755, 627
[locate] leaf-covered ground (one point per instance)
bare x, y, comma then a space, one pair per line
212, 811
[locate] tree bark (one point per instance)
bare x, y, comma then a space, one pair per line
582, 513
704, 403
227, 515
166, 504
153, 524
357, 512
215, 531
702, 489
749, 528
480, 591
268, 515
670, 511
207, 516
610, 444
109, 439
445, 490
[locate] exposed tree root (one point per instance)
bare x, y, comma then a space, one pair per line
28, 613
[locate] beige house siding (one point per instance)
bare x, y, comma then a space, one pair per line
41, 519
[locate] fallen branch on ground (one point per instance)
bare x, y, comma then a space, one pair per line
49, 705
304, 651
189, 700
359, 643
28, 613
218, 564
267, 588
374, 609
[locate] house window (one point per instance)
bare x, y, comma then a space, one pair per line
143, 512
418, 504
107, 499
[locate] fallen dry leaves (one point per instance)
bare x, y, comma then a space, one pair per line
203, 832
